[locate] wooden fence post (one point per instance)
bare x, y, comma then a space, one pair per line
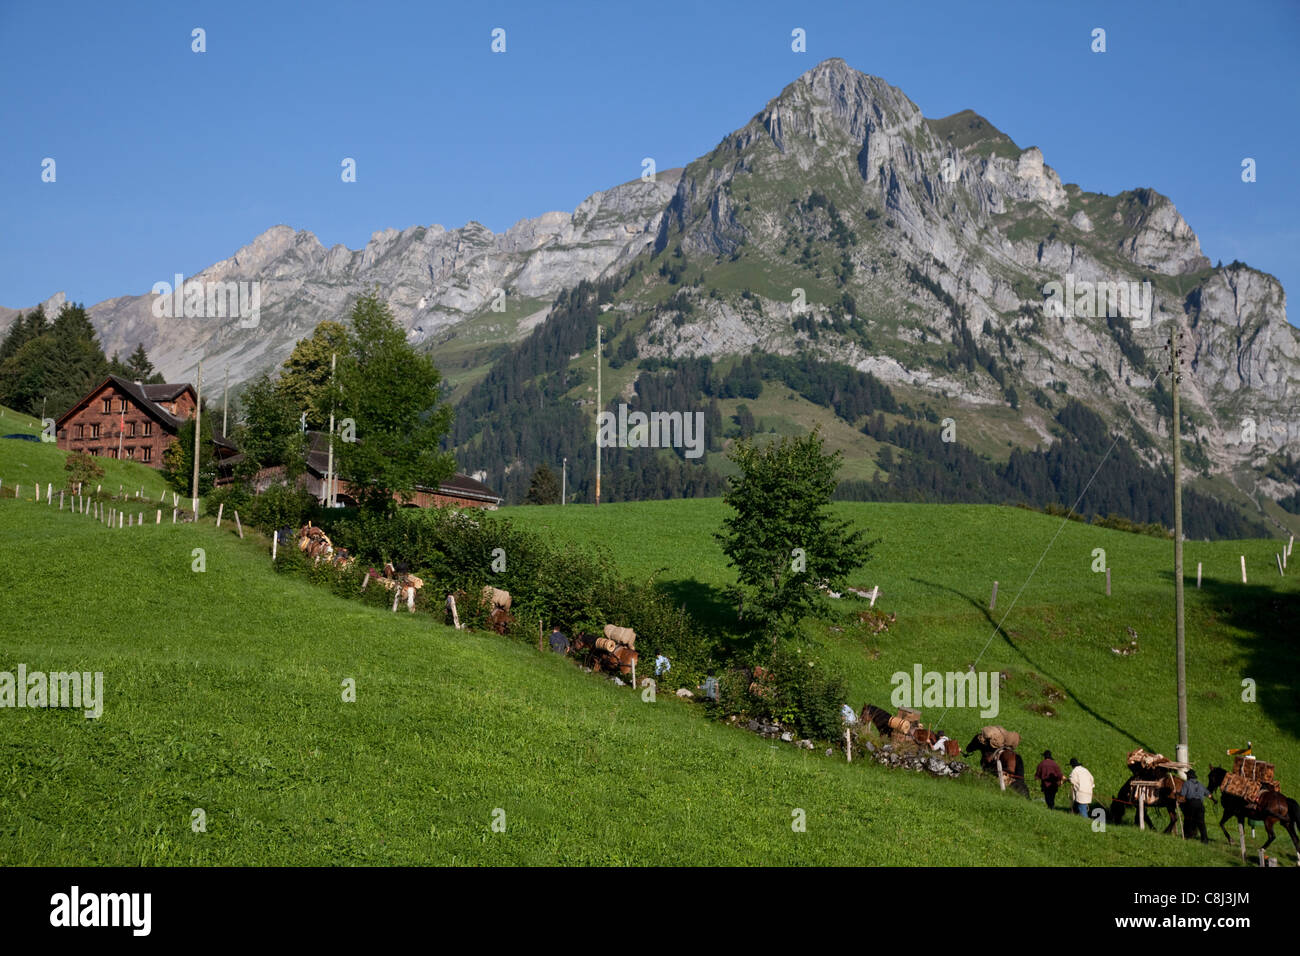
60, 500
240, 528
874, 591
1108, 582
848, 744
1142, 803
173, 516
994, 599
1241, 831
158, 520
1002, 780
220, 508
1198, 575
1243, 569
275, 543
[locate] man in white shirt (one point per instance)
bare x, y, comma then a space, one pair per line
1081, 784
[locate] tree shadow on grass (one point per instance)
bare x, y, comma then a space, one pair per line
1270, 642
980, 606
712, 610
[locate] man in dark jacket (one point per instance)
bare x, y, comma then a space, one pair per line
1049, 777
1194, 793
559, 642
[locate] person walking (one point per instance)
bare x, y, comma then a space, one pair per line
1049, 777
1194, 794
559, 642
1081, 784
662, 665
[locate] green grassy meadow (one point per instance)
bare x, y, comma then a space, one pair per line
224, 692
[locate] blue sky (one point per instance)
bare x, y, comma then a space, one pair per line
169, 160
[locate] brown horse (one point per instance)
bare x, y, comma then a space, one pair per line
1272, 807
877, 717
1013, 765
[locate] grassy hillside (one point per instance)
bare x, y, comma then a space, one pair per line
935, 566
223, 692
25, 463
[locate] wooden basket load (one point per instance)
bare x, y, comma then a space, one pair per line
1249, 778
621, 635
1252, 769
905, 721
999, 737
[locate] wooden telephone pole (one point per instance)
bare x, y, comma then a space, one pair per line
1175, 372
329, 467
598, 411
198, 410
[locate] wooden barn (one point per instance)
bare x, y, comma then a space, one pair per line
121, 418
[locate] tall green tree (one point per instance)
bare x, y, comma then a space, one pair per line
270, 433
543, 487
781, 538
305, 376
78, 362
392, 395
178, 459
140, 369
23, 329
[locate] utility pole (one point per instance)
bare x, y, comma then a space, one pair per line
198, 411
599, 406
1175, 370
329, 467
564, 482
225, 402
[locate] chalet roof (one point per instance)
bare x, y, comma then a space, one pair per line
164, 393
461, 486
140, 395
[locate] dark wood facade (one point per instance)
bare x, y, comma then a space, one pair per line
118, 414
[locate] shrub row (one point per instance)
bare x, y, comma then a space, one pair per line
556, 585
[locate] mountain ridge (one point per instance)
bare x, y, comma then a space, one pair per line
937, 236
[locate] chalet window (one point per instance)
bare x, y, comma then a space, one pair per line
63, 433
81, 431
146, 453
130, 452
130, 430
108, 405
94, 431
148, 429
94, 451
121, 405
